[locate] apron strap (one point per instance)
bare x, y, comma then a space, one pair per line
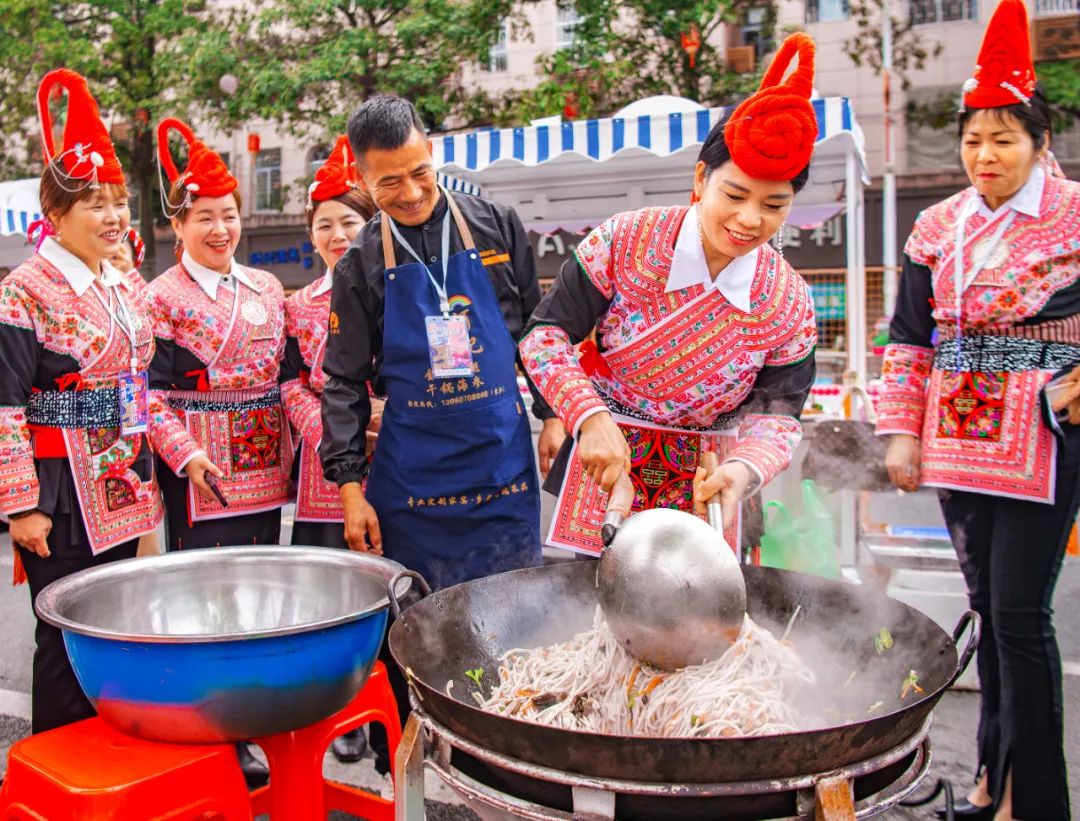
462, 226
389, 257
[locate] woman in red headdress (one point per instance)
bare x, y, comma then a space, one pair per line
995, 270
337, 209
219, 426
76, 474
706, 335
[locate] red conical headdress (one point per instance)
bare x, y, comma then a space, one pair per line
336, 176
206, 175
771, 135
87, 153
1004, 74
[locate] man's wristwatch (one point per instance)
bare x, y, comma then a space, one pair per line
21, 514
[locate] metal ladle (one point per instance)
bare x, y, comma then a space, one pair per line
669, 584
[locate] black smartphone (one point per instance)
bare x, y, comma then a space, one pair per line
212, 481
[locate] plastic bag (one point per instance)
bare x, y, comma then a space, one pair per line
805, 543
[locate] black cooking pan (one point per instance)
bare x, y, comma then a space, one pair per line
473, 624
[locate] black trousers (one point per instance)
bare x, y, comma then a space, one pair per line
1011, 553
181, 534
319, 534
57, 698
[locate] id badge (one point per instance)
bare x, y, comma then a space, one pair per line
448, 346
134, 403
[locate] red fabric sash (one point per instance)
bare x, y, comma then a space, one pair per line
48, 442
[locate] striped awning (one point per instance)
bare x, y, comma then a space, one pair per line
458, 185
18, 205
602, 139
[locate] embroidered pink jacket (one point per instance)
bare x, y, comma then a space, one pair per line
980, 423
53, 340
686, 359
214, 354
307, 315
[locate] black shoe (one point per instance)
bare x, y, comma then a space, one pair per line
255, 773
970, 812
349, 747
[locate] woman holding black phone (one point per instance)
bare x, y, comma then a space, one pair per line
995, 271
218, 424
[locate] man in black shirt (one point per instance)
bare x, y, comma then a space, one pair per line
427, 306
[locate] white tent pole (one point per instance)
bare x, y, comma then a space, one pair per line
888, 189
854, 284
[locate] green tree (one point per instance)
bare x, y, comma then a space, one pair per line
1060, 80
623, 51
132, 54
910, 50
306, 64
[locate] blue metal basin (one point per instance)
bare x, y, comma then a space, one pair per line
223, 644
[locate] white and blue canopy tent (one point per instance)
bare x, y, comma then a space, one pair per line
573, 175
18, 208
18, 205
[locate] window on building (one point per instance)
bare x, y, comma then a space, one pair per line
753, 31
268, 180
1052, 8
497, 54
826, 11
567, 21
316, 158
942, 11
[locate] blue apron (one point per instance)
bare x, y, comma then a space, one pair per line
454, 483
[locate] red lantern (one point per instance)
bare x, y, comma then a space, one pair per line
691, 43
570, 107
254, 143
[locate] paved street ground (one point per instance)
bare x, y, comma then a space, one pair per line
952, 735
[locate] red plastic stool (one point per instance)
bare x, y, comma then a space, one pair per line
297, 790
89, 770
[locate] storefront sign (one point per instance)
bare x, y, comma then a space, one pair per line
292, 255
830, 234
551, 251
830, 300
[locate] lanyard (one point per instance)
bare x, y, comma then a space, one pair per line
122, 316
440, 289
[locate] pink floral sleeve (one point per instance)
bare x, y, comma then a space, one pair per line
901, 404
304, 410
767, 442
552, 364
168, 432
18, 343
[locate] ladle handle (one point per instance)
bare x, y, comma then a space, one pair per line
710, 461
620, 501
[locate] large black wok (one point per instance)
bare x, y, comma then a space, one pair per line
473, 624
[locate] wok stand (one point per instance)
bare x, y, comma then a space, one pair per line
829, 796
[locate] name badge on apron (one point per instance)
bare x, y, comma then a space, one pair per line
134, 404
448, 346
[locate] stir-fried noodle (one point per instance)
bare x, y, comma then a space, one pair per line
591, 683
